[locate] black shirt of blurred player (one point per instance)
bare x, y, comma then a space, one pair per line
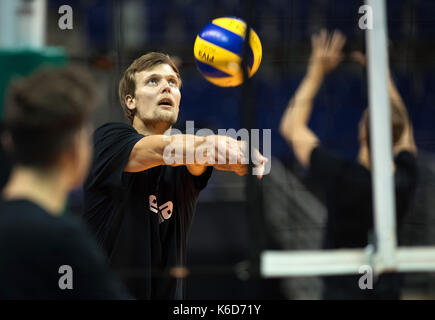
350, 216
47, 137
34, 246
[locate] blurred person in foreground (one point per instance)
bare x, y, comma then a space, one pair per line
47, 135
347, 184
139, 205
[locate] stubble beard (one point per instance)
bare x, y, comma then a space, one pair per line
161, 117
164, 116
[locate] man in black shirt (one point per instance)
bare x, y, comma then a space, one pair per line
43, 254
139, 205
348, 184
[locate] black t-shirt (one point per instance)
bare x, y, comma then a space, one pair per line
5, 163
141, 219
5, 167
350, 216
34, 245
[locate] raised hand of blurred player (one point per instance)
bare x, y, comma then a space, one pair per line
327, 49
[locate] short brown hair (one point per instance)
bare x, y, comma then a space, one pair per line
127, 85
44, 110
399, 118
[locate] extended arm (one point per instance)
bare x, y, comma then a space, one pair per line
195, 152
326, 55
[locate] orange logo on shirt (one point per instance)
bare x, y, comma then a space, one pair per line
164, 211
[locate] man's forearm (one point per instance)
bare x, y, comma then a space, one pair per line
222, 152
156, 150
305, 95
312, 81
225, 153
300, 106
210, 150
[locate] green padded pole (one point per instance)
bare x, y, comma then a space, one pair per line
21, 62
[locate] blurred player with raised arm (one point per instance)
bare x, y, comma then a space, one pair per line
347, 184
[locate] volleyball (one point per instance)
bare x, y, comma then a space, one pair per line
218, 51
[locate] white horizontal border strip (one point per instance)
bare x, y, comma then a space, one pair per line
334, 262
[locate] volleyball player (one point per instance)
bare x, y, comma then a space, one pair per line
348, 184
139, 207
43, 253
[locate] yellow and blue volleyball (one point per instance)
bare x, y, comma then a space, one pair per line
218, 51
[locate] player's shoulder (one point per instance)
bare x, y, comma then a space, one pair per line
323, 154
73, 229
112, 126
406, 160
405, 156
326, 160
113, 131
67, 232
28, 222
